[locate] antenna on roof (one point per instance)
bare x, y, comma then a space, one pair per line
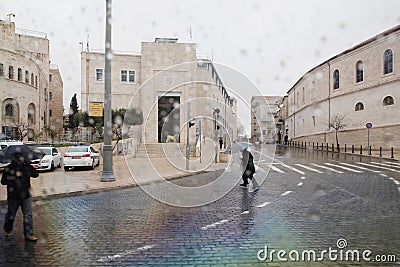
9, 15
190, 32
87, 43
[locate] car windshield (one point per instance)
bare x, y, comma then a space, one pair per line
78, 149
46, 150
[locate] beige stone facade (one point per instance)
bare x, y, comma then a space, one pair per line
263, 124
362, 84
165, 75
24, 79
56, 96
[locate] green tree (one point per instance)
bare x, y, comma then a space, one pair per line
73, 109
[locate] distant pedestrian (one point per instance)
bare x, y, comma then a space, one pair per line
221, 142
286, 139
17, 178
248, 169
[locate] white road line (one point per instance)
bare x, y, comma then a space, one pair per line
308, 168
276, 169
300, 184
281, 163
394, 163
384, 175
327, 168
125, 253
303, 178
214, 224
286, 193
379, 167
259, 168
263, 204
387, 165
292, 168
341, 167
359, 167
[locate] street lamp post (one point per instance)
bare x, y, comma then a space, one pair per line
107, 174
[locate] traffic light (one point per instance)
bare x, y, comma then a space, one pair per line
191, 123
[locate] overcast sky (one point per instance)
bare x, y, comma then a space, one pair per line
273, 42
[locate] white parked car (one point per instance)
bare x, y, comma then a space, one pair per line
81, 156
51, 159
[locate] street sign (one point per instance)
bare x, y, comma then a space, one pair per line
368, 125
96, 109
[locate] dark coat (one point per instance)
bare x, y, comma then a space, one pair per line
17, 177
248, 164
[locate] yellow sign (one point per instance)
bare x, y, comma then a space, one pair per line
96, 109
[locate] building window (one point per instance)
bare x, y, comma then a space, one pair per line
359, 71
50, 113
124, 76
10, 72
264, 132
50, 77
359, 106
387, 101
19, 74
388, 62
313, 119
128, 76
1, 70
99, 75
131, 76
26, 76
36, 82
32, 79
336, 79
50, 95
9, 110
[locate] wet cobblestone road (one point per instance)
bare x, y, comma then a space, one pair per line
289, 212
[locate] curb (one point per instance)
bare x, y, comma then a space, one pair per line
106, 189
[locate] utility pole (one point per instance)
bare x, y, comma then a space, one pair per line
200, 138
107, 174
187, 138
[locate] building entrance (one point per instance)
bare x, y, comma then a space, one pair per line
168, 119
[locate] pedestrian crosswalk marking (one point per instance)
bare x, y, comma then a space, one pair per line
394, 163
344, 168
308, 168
292, 168
379, 167
388, 165
276, 169
359, 167
327, 168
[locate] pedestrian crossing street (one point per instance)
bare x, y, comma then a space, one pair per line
329, 167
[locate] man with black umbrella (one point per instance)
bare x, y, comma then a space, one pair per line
17, 178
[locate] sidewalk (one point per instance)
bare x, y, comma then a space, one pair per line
60, 183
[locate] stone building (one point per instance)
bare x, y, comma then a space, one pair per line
263, 124
170, 86
362, 84
56, 96
24, 80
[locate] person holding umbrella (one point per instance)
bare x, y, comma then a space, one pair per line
247, 163
16, 177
